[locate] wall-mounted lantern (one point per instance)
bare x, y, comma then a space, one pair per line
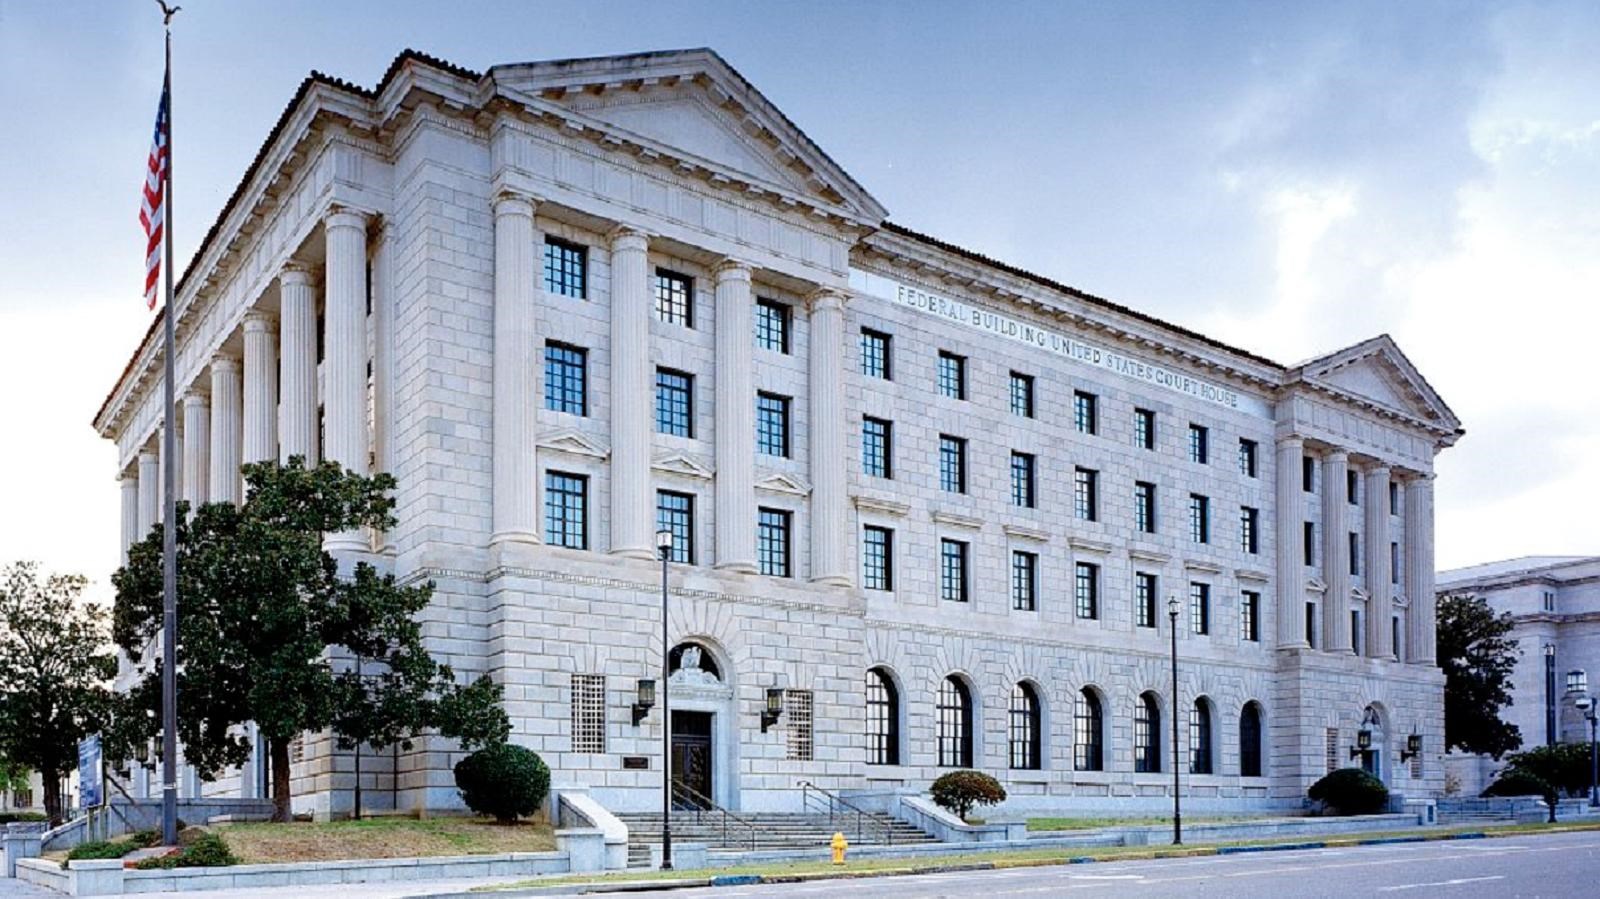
774, 709
1363, 742
1413, 748
1577, 682
645, 701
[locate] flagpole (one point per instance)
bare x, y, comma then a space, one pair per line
169, 546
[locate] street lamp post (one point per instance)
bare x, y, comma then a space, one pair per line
1549, 694
1173, 606
664, 549
1578, 689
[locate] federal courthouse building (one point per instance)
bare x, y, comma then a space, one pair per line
928, 511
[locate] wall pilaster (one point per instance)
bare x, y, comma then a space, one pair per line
516, 293
829, 493
1380, 589
1335, 553
1419, 570
632, 516
736, 426
1291, 568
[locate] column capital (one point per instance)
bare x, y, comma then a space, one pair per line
730, 269
295, 274
1378, 470
826, 298
1336, 457
259, 321
511, 201
627, 237
224, 361
345, 217
195, 397
1291, 440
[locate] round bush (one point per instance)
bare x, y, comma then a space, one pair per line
1350, 791
505, 780
959, 791
1518, 782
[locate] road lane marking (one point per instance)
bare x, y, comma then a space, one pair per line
1440, 883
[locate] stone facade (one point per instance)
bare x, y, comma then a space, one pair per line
1554, 602
438, 195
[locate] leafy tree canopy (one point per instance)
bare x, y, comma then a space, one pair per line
270, 631
1477, 658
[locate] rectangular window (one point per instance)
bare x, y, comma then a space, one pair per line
1352, 482
1548, 598
1024, 580
772, 326
674, 298
1086, 494
875, 354
1311, 625
877, 558
797, 712
772, 425
1394, 498
1330, 746
566, 378
1086, 590
1144, 507
1247, 457
1355, 631
1199, 443
1308, 474
1144, 588
877, 447
1022, 480
1199, 518
588, 713
675, 513
1021, 395
1200, 608
772, 542
566, 268
1308, 542
566, 510
952, 464
1355, 553
952, 375
1144, 429
1394, 636
1250, 616
1086, 412
952, 570
674, 403
1249, 528
1394, 563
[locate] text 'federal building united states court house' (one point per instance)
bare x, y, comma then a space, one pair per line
933, 505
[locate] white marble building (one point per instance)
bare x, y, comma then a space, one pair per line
1554, 603
937, 502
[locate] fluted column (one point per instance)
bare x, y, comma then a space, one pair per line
1291, 567
1380, 591
632, 507
344, 404
829, 496
196, 449
149, 491
1335, 553
297, 421
736, 419
226, 431
516, 291
383, 362
1419, 570
260, 427
128, 481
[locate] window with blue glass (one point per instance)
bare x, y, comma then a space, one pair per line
772, 542
1021, 395
1200, 608
1199, 518
1199, 443
566, 378
674, 298
952, 570
877, 447
952, 464
875, 360
674, 403
1085, 412
675, 514
772, 326
1086, 590
566, 510
877, 558
772, 424
952, 375
566, 268
1022, 479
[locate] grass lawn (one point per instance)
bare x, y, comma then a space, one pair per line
1096, 823
382, 838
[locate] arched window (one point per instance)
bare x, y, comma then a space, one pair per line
1088, 732
1147, 734
955, 724
696, 656
1200, 737
1024, 727
1250, 740
883, 719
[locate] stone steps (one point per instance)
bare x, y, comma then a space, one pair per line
771, 831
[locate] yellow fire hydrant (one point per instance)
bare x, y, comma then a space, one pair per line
839, 844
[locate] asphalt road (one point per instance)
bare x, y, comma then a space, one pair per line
1553, 865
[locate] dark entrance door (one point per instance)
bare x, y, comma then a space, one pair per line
691, 758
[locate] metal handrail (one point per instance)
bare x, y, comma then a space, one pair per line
704, 803
862, 817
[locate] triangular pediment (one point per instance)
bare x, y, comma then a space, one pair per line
1376, 371
693, 104
783, 483
684, 465
569, 440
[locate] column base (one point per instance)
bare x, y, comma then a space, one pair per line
736, 567
347, 542
831, 580
636, 552
513, 549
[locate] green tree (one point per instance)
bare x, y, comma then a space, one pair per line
55, 668
267, 627
1477, 658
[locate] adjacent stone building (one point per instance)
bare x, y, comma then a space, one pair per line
1554, 602
929, 509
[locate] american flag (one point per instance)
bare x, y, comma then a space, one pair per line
153, 206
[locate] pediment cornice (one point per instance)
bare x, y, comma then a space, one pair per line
574, 442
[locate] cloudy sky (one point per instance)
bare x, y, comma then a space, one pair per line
1291, 178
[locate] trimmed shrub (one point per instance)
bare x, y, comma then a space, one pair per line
99, 849
204, 850
1350, 791
21, 817
960, 791
1517, 782
1564, 766
504, 781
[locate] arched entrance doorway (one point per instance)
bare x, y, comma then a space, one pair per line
704, 747
1375, 740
